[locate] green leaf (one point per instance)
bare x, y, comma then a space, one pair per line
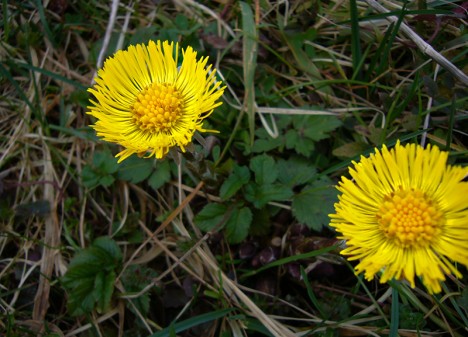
409, 318
91, 275
161, 175
313, 205
265, 145
299, 143
238, 224
238, 178
260, 195
101, 171
142, 35
135, 278
211, 216
104, 288
308, 130
264, 168
89, 177
319, 127
105, 162
110, 247
82, 298
106, 181
135, 169
295, 171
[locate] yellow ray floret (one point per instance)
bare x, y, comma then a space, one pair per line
147, 103
405, 214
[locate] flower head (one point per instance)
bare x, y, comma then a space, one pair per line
147, 103
405, 213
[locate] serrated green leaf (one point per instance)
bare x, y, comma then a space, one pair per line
299, 143
110, 247
135, 278
135, 169
100, 172
104, 288
84, 265
82, 298
105, 162
264, 168
260, 195
314, 203
239, 177
106, 181
210, 216
238, 224
89, 178
142, 35
295, 171
91, 275
409, 318
308, 130
161, 174
319, 127
265, 145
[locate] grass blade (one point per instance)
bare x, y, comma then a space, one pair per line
249, 55
191, 322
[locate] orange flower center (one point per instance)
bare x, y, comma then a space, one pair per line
410, 218
157, 107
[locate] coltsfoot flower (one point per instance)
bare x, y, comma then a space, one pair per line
405, 214
147, 103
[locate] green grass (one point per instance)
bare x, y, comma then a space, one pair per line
234, 241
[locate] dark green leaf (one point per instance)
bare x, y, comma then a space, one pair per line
110, 247
89, 177
105, 162
82, 298
106, 181
135, 278
135, 169
91, 275
308, 130
100, 172
238, 224
104, 288
264, 168
239, 177
295, 171
299, 143
319, 127
313, 205
260, 195
161, 175
211, 216
264, 145
142, 35
409, 318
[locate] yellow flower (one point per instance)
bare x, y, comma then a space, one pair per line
405, 213
147, 103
